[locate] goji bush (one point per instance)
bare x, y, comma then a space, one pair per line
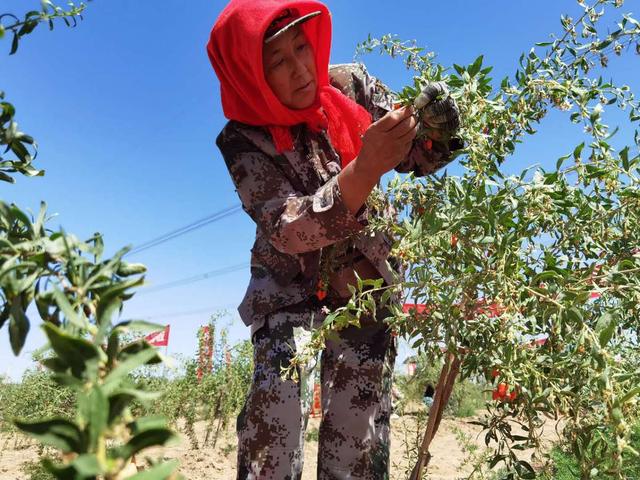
78, 295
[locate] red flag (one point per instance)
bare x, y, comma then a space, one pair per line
159, 339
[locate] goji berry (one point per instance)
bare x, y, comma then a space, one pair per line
321, 291
502, 389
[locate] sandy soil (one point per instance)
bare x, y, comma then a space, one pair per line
219, 462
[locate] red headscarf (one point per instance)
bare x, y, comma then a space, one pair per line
235, 51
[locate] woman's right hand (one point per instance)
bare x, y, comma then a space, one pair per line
387, 142
384, 145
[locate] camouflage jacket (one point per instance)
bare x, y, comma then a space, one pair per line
295, 200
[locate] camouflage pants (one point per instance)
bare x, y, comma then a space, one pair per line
356, 370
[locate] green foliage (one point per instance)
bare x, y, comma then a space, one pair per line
21, 145
467, 396
565, 466
78, 295
216, 399
48, 14
36, 471
36, 396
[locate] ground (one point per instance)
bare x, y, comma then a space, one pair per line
219, 462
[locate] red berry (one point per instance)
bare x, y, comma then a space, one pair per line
321, 291
502, 390
454, 241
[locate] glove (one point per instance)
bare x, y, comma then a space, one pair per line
438, 111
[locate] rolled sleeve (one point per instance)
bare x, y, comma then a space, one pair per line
293, 222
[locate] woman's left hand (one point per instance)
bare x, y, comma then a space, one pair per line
438, 111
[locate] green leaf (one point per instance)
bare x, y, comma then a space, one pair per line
87, 465
55, 364
546, 275
110, 300
78, 353
634, 392
495, 460
150, 422
525, 470
123, 369
83, 467
561, 161
128, 326
144, 439
624, 156
475, 66
120, 399
384, 299
69, 313
138, 346
59, 433
157, 472
18, 325
93, 408
106, 309
459, 69
604, 44
28, 27
6, 178
126, 269
14, 44
605, 328
69, 381
574, 314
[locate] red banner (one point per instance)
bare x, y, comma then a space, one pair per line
159, 339
205, 352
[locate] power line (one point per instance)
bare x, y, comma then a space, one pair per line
196, 278
184, 313
226, 212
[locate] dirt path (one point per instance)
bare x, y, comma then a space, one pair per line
219, 463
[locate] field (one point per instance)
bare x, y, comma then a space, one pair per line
17, 453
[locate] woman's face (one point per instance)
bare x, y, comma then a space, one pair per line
290, 68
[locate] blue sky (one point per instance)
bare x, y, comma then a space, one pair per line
126, 109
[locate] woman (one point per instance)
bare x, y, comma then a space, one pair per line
305, 145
